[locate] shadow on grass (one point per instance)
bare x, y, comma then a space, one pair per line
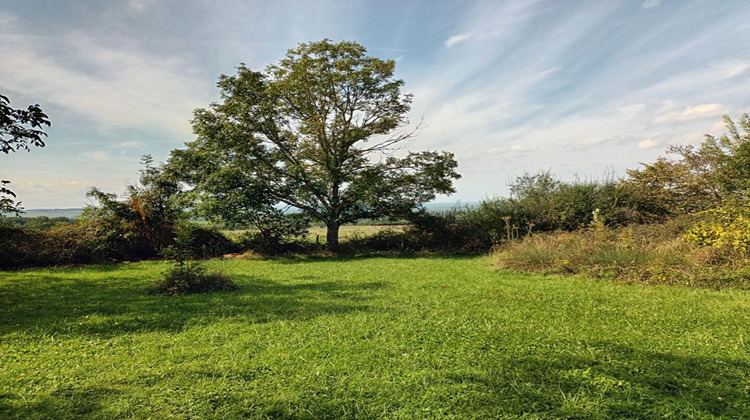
66, 403
625, 383
629, 383
118, 304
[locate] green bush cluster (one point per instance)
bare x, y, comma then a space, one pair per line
726, 231
65, 244
188, 276
206, 241
705, 192
21, 247
540, 203
88, 242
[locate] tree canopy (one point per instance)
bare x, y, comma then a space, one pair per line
700, 178
316, 132
19, 130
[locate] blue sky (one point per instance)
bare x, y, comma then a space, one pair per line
581, 88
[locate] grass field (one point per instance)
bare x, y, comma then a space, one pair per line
368, 338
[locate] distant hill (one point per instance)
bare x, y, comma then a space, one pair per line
71, 213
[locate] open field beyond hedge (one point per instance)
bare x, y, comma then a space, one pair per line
368, 338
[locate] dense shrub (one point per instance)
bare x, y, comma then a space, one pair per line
469, 229
207, 242
388, 240
187, 277
540, 203
77, 243
20, 247
82, 243
726, 231
91, 241
576, 202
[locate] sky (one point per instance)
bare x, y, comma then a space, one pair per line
584, 89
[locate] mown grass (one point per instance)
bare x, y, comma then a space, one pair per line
368, 338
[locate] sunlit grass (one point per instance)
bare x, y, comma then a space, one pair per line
317, 233
368, 338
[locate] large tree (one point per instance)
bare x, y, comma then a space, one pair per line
316, 132
19, 130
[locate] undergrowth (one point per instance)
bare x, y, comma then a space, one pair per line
190, 277
656, 253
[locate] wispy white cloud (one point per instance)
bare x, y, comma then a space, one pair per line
493, 21
649, 4
654, 140
139, 6
580, 87
513, 149
112, 87
457, 39
129, 145
692, 113
97, 156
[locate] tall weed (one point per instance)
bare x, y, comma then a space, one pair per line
656, 253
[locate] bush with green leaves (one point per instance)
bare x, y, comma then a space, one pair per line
188, 276
206, 242
80, 243
143, 223
538, 203
467, 229
20, 247
70, 243
725, 231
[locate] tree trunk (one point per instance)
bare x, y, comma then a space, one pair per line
332, 236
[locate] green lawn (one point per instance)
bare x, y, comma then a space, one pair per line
368, 338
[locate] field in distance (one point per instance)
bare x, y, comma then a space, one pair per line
346, 232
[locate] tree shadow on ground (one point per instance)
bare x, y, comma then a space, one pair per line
628, 383
69, 402
119, 304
